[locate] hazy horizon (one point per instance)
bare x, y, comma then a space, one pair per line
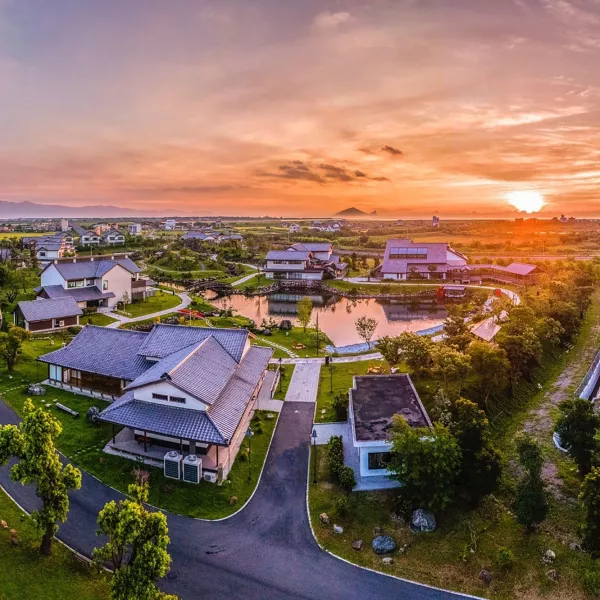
236, 107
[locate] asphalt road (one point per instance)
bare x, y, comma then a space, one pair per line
264, 552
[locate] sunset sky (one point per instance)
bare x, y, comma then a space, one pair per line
255, 107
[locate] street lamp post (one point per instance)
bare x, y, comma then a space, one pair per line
249, 435
314, 439
330, 376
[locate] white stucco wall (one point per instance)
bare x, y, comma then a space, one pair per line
164, 387
51, 276
119, 282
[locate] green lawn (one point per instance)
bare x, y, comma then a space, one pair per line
160, 301
99, 319
284, 381
83, 442
26, 574
296, 335
443, 558
341, 375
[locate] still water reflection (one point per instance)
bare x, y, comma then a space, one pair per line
337, 316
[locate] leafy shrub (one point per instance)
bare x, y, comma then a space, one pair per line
335, 456
339, 404
591, 583
346, 478
505, 558
74, 329
340, 508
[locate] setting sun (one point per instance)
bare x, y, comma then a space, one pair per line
526, 200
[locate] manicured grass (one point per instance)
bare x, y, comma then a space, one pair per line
160, 301
288, 338
99, 319
27, 574
83, 442
391, 287
284, 381
443, 558
341, 375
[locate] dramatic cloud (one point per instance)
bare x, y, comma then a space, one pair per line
393, 151
270, 107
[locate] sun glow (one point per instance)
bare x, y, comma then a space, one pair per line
527, 201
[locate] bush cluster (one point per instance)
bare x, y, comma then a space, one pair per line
338, 472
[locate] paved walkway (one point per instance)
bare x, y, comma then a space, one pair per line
185, 302
265, 400
305, 381
244, 279
326, 430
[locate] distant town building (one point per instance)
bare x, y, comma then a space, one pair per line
64, 225
170, 225
294, 228
135, 228
435, 222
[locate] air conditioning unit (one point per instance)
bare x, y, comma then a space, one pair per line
192, 469
61, 323
210, 477
173, 464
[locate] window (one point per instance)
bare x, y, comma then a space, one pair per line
159, 396
177, 399
408, 253
378, 460
76, 283
104, 284
55, 373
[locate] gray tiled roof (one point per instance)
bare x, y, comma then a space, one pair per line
42, 309
312, 246
202, 370
109, 352
229, 408
83, 294
174, 421
287, 255
90, 269
164, 339
436, 254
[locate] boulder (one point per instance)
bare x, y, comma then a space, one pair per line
548, 557
422, 521
233, 500
485, 576
552, 575
387, 560
376, 531
36, 390
324, 517
383, 544
338, 529
357, 545
575, 546
4, 524
285, 325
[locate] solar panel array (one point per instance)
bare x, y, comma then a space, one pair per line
412, 252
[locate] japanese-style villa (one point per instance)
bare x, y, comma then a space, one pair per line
190, 389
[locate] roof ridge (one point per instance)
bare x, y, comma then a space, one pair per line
188, 355
115, 329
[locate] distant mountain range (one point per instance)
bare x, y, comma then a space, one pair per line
355, 212
31, 210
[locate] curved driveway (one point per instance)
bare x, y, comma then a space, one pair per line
264, 552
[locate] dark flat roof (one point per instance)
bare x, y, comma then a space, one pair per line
375, 399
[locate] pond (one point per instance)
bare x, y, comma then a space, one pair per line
337, 316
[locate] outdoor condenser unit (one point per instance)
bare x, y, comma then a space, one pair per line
192, 469
173, 464
210, 477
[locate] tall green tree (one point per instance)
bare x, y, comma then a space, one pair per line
425, 461
304, 308
11, 345
416, 350
457, 332
449, 366
523, 350
481, 463
577, 427
389, 347
590, 499
32, 443
365, 327
136, 549
491, 367
531, 501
